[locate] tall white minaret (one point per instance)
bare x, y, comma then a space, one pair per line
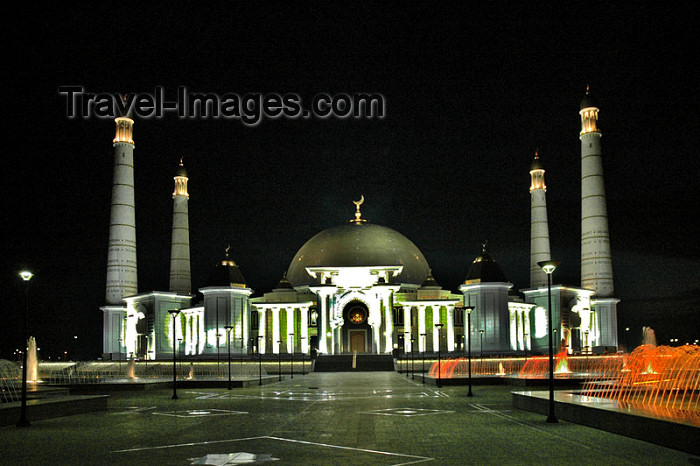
539, 227
596, 263
121, 256
180, 276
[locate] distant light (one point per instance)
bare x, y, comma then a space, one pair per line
26, 275
548, 266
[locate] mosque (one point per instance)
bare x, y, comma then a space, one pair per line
359, 287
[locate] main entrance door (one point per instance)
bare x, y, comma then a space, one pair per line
357, 341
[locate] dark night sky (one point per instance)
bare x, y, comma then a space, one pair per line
470, 94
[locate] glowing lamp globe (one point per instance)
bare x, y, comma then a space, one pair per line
548, 266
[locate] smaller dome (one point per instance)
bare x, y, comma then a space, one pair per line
227, 273
283, 284
485, 269
181, 170
430, 282
536, 165
588, 100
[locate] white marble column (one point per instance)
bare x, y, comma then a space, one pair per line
275, 330
244, 325
406, 328
421, 328
436, 331
304, 329
450, 329
261, 331
324, 316
290, 329
389, 327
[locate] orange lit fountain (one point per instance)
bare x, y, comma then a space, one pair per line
661, 379
538, 366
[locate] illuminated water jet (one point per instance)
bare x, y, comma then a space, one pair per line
131, 369
658, 378
32, 361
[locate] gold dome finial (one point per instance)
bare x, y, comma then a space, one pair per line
358, 215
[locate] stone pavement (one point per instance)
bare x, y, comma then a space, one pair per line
381, 418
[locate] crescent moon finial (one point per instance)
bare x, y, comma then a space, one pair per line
358, 214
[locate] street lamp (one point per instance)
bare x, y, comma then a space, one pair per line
526, 344
228, 349
120, 356
548, 267
406, 339
481, 351
423, 355
468, 310
179, 361
241, 355
291, 360
279, 360
260, 339
75, 347
412, 371
627, 335
174, 313
23, 421
439, 384
303, 371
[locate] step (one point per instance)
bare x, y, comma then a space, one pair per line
363, 362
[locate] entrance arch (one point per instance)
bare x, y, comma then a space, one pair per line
357, 334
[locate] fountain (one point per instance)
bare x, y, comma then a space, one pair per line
652, 377
131, 369
32, 361
648, 336
538, 366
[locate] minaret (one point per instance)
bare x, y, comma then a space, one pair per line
539, 227
596, 263
121, 255
180, 277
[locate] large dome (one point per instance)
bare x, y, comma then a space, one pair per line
356, 245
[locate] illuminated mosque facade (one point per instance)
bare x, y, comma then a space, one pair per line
358, 287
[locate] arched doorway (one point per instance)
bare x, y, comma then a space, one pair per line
357, 334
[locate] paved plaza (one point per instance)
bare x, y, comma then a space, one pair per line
381, 418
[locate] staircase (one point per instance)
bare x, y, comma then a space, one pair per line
363, 363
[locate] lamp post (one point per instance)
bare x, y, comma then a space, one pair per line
423, 357
406, 339
75, 347
303, 371
548, 267
228, 350
120, 356
179, 361
174, 313
468, 310
627, 338
260, 338
279, 360
241, 355
23, 421
439, 383
291, 360
412, 371
526, 345
481, 351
